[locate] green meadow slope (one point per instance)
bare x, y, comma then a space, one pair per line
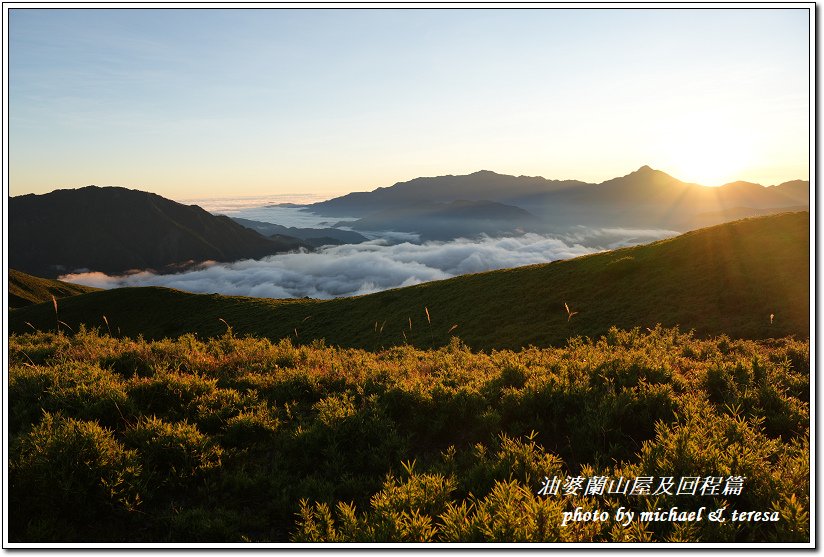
25, 290
728, 279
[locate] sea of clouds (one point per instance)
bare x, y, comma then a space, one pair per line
230, 205
391, 261
265, 208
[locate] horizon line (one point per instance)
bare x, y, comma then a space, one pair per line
344, 192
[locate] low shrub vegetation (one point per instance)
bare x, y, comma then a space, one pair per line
242, 439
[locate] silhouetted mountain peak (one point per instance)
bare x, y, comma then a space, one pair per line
93, 192
644, 177
741, 184
647, 171
115, 229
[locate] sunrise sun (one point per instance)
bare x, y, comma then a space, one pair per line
709, 153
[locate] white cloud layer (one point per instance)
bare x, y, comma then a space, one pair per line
373, 266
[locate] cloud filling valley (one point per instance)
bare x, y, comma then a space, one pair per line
379, 264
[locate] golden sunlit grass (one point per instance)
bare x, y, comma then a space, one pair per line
241, 439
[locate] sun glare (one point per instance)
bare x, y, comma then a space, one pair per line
709, 155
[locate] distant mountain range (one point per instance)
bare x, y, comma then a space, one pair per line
478, 186
746, 279
644, 198
313, 236
447, 220
114, 230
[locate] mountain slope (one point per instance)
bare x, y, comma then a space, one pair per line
799, 190
727, 279
116, 229
25, 290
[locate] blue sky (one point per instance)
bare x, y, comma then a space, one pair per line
189, 103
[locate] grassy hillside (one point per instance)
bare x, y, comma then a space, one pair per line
727, 279
25, 290
233, 440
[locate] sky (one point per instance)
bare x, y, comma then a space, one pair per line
201, 103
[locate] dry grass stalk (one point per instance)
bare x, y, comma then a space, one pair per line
569, 313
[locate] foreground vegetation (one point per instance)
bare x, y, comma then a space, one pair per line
242, 439
746, 279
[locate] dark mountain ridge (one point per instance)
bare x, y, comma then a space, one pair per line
478, 186
114, 229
